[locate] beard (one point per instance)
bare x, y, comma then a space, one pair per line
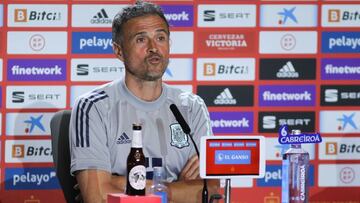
143, 70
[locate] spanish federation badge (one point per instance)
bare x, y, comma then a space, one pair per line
178, 138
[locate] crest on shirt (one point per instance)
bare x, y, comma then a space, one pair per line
178, 138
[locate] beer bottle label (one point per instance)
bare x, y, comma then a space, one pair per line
137, 177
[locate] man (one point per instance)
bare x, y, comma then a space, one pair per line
101, 120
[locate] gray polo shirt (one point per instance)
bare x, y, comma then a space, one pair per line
101, 129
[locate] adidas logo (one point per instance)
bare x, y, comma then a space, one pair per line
101, 18
225, 97
123, 139
287, 71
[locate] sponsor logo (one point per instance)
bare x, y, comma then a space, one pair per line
226, 69
339, 121
179, 15
28, 15
296, 42
340, 69
92, 43
90, 69
123, 139
340, 148
226, 42
101, 17
21, 151
274, 150
31, 179
340, 95
340, 15
227, 16
270, 122
28, 123
340, 42
339, 175
36, 69
174, 73
288, 15
232, 122
273, 176
36, 97
288, 69
36, 43
227, 95
289, 95
178, 46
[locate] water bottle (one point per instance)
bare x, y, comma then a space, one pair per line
295, 175
158, 187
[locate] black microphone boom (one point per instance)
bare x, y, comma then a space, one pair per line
180, 119
186, 129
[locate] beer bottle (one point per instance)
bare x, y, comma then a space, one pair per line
136, 171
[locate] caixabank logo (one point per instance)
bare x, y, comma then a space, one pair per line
340, 121
28, 124
287, 95
270, 122
287, 69
31, 179
226, 42
340, 95
92, 43
230, 95
273, 176
232, 122
36, 70
340, 42
179, 15
340, 69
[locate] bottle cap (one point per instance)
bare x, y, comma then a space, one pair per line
296, 132
136, 126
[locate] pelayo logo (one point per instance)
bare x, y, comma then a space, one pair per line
340, 42
92, 43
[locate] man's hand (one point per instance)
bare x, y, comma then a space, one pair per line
191, 169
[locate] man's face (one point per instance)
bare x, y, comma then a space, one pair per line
145, 47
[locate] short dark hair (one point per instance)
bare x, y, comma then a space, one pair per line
140, 8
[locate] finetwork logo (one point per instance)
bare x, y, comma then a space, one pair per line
92, 43
232, 122
179, 15
31, 179
36, 69
340, 42
289, 95
340, 69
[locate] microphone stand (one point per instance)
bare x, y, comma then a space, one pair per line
205, 193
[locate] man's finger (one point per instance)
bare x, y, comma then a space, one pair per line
190, 167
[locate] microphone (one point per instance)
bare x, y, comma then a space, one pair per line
186, 129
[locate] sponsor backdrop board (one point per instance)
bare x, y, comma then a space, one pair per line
257, 64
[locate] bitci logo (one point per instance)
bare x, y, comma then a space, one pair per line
18, 151
209, 69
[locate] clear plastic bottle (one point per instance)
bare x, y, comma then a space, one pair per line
295, 174
158, 187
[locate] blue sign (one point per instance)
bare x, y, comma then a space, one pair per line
340, 42
286, 138
92, 43
31, 179
232, 156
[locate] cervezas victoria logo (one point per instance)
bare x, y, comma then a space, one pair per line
229, 41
